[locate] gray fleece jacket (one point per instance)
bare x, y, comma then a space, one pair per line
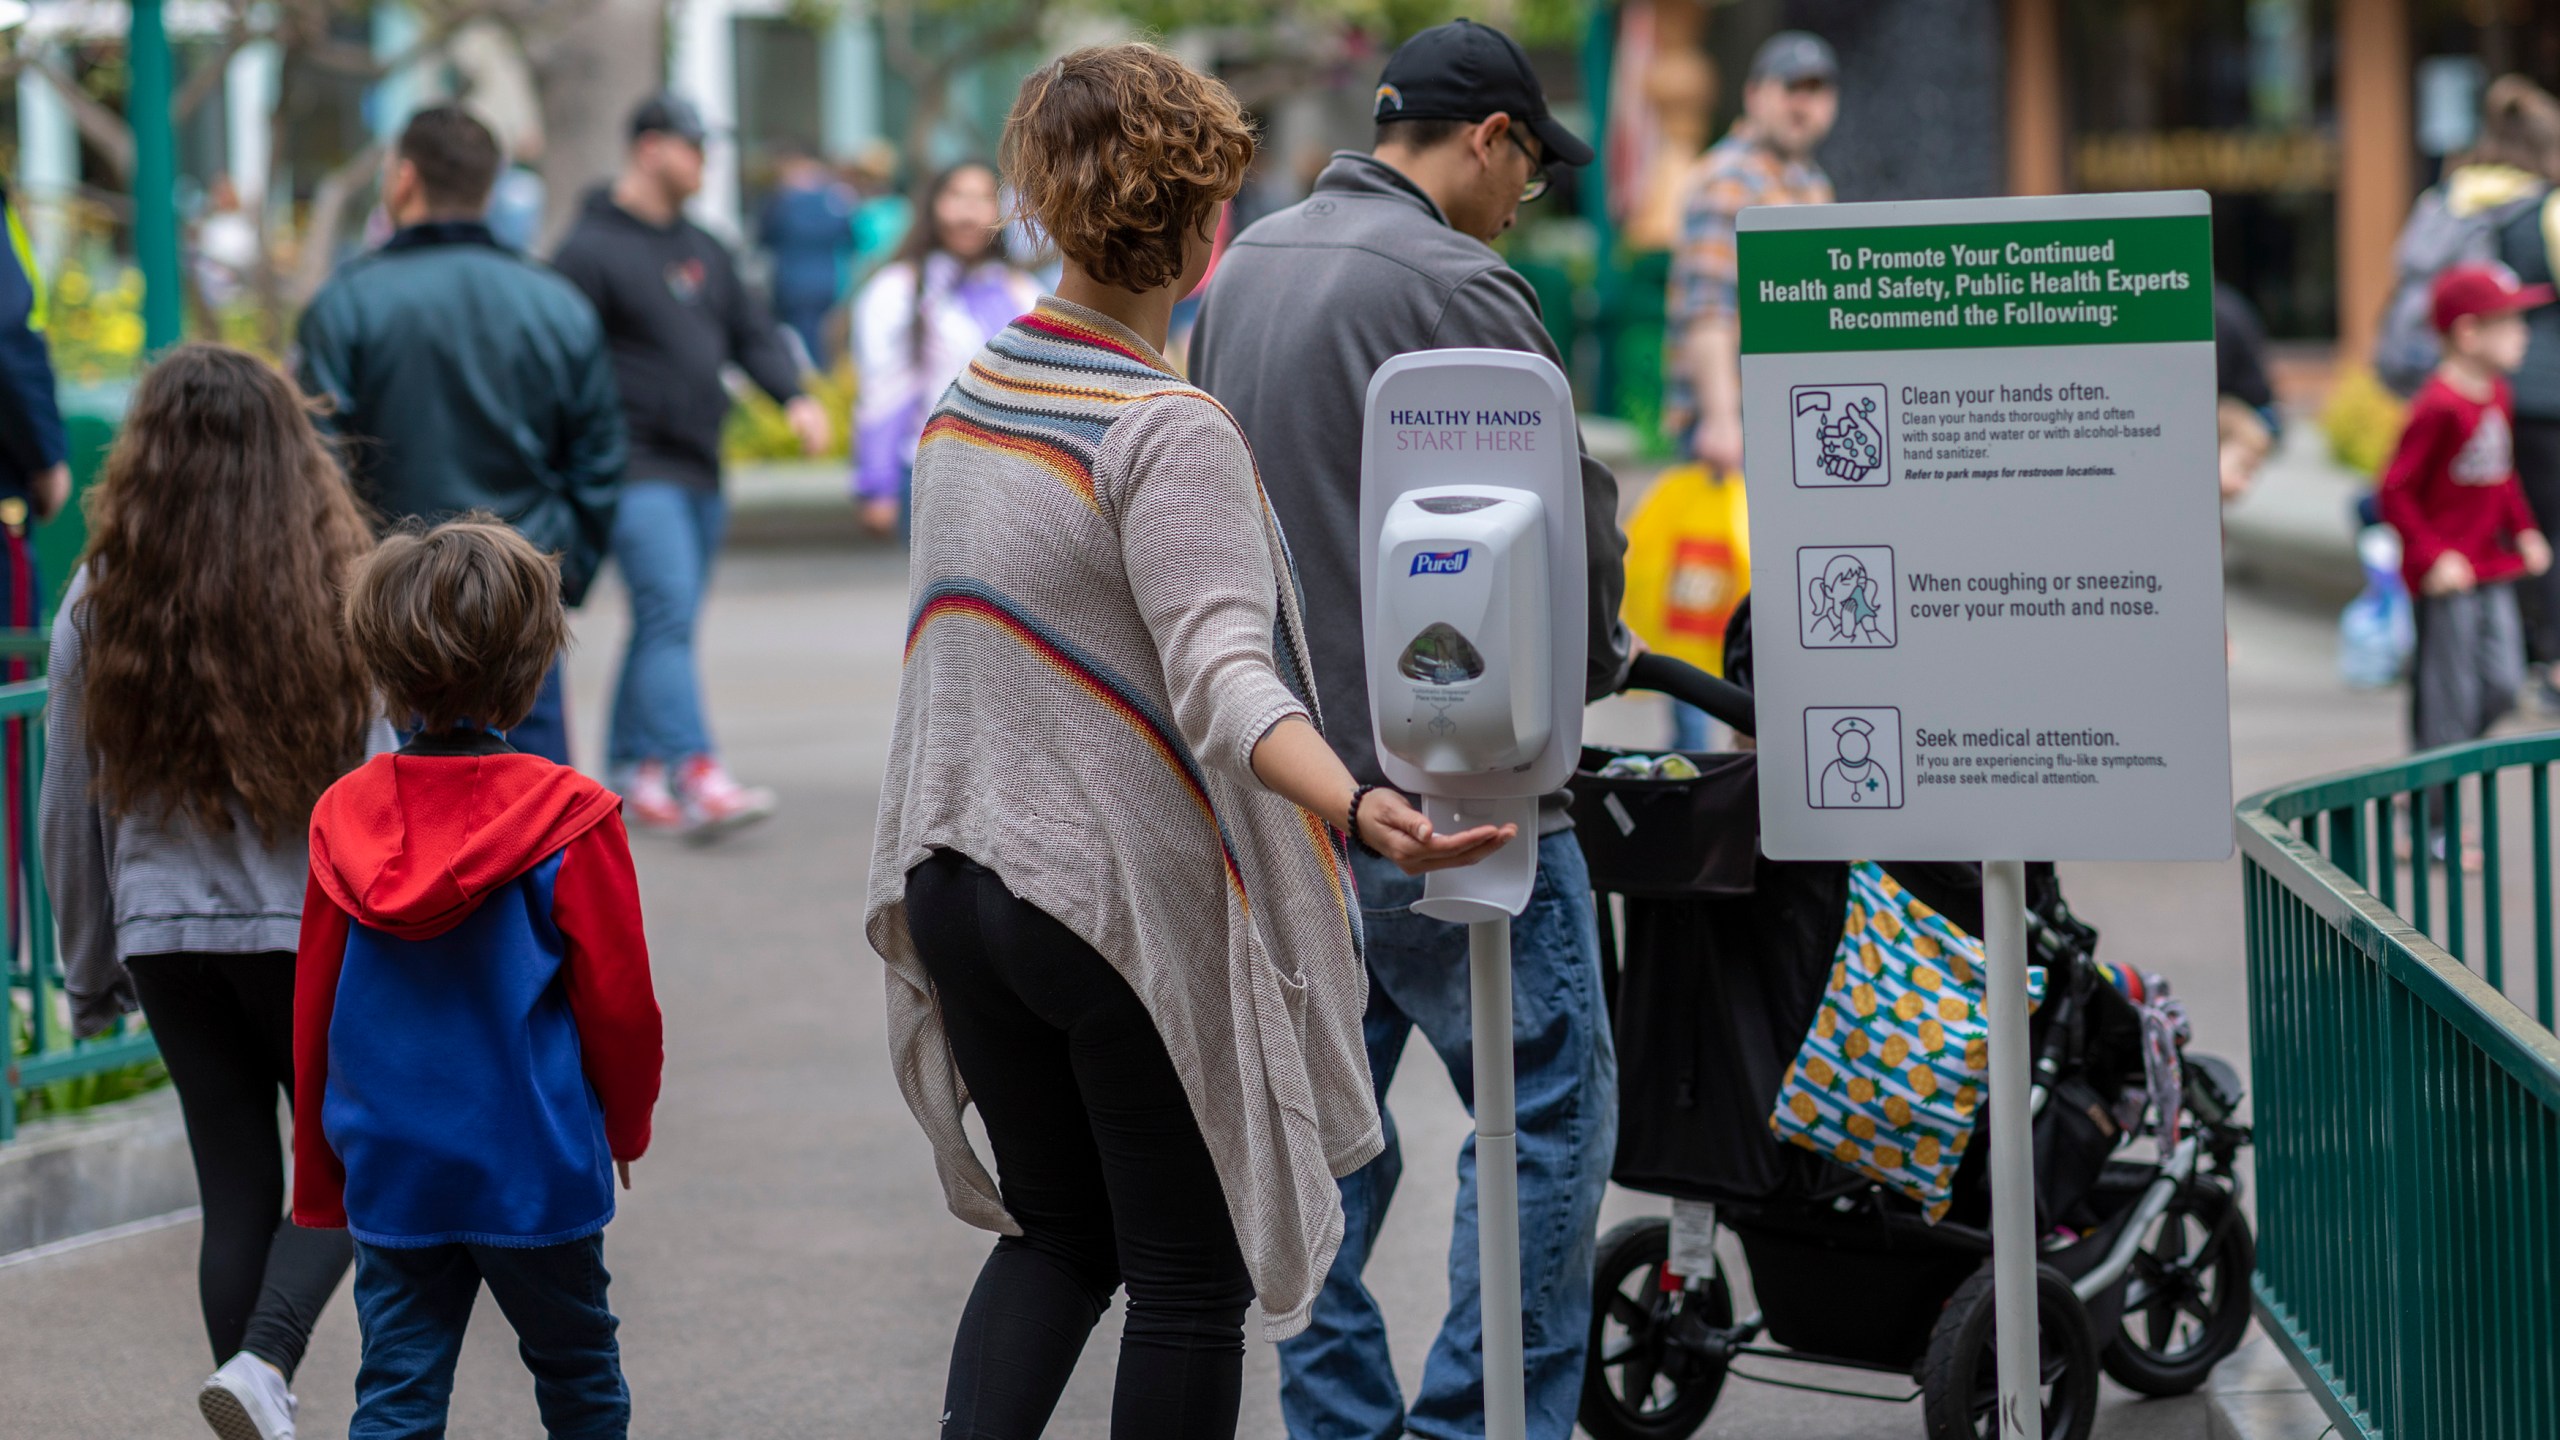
1305, 306
148, 883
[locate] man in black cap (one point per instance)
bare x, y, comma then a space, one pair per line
675, 314
1387, 255
1789, 101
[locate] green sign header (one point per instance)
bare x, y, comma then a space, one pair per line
2129, 281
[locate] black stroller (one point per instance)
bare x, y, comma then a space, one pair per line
1720, 968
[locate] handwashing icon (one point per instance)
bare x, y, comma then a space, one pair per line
1851, 446
1839, 435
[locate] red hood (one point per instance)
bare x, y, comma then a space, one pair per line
409, 844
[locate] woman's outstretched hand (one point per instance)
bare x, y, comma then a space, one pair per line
1393, 828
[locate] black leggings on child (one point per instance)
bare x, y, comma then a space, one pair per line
225, 1027
1098, 1157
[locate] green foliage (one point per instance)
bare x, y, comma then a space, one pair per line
2362, 421
94, 321
68, 1097
1532, 22
756, 429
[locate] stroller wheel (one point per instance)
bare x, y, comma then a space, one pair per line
1960, 1381
1650, 1374
2186, 1300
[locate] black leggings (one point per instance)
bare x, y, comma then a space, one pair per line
225, 1027
2537, 460
1100, 1160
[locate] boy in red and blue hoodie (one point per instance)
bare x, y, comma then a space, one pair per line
476, 1045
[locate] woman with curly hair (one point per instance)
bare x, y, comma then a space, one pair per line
1109, 878
203, 695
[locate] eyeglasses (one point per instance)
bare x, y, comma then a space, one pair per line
1537, 185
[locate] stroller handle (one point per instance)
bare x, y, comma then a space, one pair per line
1680, 680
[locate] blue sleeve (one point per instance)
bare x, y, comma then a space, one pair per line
30, 421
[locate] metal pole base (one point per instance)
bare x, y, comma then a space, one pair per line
1497, 1182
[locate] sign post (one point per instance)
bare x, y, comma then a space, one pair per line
1979, 438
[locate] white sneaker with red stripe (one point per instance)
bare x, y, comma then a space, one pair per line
714, 804
650, 801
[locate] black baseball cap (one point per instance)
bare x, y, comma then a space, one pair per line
667, 114
1466, 71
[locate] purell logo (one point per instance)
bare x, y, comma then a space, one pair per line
1439, 562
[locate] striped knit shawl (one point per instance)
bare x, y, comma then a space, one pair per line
1103, 625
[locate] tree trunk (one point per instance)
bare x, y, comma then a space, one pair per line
591, 76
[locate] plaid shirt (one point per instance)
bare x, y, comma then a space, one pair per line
1737, 171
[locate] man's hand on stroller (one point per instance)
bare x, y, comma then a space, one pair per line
1392, 827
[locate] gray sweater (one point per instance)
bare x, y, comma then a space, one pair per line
148, 883
1305, 307
1102, 629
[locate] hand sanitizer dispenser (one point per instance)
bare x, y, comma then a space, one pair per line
1473, 590
1462, 572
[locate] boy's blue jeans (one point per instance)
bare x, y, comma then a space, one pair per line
665, 537
414, 1304
1337, 1381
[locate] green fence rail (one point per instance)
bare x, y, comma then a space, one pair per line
43, 1053
2407, 1110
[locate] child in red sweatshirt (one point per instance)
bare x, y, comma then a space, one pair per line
476, 1045
2465, 531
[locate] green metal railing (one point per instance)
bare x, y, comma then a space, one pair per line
2407, 1111
34, 961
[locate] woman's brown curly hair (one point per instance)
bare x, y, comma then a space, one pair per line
1121, 152
219, 543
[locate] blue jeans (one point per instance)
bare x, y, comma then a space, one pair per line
665, 537
413, 1305
544, 730
1336, 1379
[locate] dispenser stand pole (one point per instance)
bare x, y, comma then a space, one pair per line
1497, 1181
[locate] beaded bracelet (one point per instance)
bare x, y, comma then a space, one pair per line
1353, 829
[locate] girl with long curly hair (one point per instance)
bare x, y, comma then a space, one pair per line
203, 695
1109, 877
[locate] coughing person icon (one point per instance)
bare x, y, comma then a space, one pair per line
1855, 780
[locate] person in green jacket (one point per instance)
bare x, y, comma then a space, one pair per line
469, 377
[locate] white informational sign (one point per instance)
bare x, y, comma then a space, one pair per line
1980, 443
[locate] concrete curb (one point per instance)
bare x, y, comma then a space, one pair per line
2255, 1395
61, 1179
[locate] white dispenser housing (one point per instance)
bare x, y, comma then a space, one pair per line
1462, 572
1474, 593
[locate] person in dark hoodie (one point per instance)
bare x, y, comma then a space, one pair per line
467, 377
676, 314
476, 1043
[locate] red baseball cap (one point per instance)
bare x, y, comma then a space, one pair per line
2482, 289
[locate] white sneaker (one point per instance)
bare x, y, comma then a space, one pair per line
247, 1400
714, 804
649, 800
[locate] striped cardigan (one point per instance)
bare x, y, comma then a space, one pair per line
1102, 625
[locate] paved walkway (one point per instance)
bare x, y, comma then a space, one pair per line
785, 1267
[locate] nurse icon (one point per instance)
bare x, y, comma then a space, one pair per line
1855, 756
